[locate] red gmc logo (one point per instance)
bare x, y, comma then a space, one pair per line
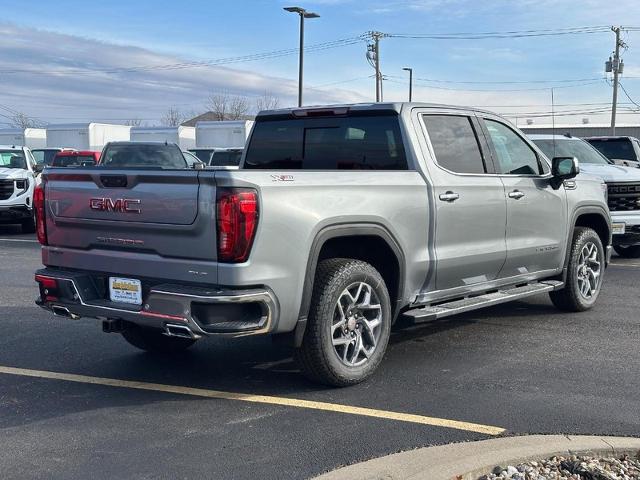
121, 205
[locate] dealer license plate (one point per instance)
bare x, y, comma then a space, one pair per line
125, 290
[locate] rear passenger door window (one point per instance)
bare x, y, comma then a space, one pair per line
514, 156
455, 143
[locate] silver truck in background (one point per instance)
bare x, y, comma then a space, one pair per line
623, 187
339, 220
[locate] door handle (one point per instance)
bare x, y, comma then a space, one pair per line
449, 196
517, 194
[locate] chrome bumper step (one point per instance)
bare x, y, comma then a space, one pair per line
454, 307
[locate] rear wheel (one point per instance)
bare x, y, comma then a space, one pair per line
584, 274
632, 251
154, 340
349, 323
29, 225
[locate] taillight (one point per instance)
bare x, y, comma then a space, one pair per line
237, 210
48, 288
38, 204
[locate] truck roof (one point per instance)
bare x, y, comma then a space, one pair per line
12, 147
548, 136
133, 142
366, 107
609, 137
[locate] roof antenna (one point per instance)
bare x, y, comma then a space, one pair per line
553, 123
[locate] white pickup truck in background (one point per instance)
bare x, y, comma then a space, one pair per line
18, 172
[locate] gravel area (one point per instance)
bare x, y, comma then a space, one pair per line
570, 468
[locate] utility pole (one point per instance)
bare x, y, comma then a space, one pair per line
410, 70
303, 14
373, 56
616, 66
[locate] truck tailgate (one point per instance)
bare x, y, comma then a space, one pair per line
164, 212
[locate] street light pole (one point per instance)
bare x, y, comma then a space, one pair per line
303, 14
410, 70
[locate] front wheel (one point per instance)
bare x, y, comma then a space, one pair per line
584, 274
349, 323
632, 251
154, 340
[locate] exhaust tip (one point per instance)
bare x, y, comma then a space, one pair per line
60, 311
181, 331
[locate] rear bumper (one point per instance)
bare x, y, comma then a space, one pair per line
179, 310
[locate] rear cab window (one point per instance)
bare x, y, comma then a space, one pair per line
139, 155
352, 142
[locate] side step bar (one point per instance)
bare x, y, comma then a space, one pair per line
442, 310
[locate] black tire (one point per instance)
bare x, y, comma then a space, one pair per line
632, 251
317, 357
153, 340
570, 298
29, 225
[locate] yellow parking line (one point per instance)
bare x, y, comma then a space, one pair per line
243, 397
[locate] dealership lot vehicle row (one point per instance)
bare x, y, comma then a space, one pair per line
522, 367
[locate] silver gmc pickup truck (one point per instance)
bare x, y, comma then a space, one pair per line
339, 220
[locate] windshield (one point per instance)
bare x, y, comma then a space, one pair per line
44, 156
618, 148
224, 159
12, 159
191, 158
143, 156
204, 155
580, 149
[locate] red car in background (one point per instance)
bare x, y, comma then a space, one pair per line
74, 158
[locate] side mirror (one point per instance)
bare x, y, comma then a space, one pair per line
564, 168
38, 167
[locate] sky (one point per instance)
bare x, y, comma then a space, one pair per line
76, 61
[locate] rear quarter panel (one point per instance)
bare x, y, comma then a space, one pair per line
296, 205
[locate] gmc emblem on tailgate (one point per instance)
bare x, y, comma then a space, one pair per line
121, 205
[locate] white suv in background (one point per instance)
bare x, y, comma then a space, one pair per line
623, 186
18, 172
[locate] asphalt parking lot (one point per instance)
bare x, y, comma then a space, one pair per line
71, 400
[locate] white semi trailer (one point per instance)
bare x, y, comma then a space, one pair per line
185, 137
24, 137
223, 134
86, 136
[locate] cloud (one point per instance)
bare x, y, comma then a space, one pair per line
72, 78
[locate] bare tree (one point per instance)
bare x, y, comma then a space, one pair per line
227, 107
268, 101
134, 122
172, 117
22, 120
238, 108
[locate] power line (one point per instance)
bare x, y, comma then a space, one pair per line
505, 34
389, 78
205, 63
509, 82
627, 95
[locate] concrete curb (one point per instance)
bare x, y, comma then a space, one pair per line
467, 461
